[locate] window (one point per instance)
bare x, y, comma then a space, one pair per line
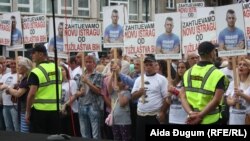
24, 6
133, 9
5, 5
84, 7
36, 6
68, 8
39, 6
102, 4
45, 6
144, 9
49, 6
132, 6
170, 4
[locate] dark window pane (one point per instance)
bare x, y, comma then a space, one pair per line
68, 3
23, 9
5, 8
83, 13
39, 6
5, 1
68, 12
83, 3
49, 6
23, 2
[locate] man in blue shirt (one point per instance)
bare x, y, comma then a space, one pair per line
168, 42
59, 40
16, 35
114, 32
231, 38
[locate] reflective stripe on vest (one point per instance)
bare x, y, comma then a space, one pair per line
45, 101
200, 89
45, 97
204, 80
47, 78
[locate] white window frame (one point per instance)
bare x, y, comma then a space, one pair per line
120, 3
30, 6
6, 4
84, 9
133, 14
117, 2
168, 4
59, 8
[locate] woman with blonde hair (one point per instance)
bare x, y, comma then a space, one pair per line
24, 68
239, 98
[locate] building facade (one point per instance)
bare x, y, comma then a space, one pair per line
91, 10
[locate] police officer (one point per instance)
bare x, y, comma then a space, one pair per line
204, 86
41, 110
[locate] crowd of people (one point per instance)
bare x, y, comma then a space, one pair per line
198, 91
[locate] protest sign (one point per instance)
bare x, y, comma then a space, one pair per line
139, 38
246, 10
34, 29
16, 30
189, 10
168, 36
231, 30
113, 21
5, 32
82, 37
197, 30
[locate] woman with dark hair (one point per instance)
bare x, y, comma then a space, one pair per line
162, 67
181, 67
177, 114
69, 110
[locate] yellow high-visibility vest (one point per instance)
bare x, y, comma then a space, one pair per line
200, 85
45, 97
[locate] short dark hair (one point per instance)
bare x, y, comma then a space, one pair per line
39, 47
61, 23
205, 48
115, 11
230, 11
13, 17
169, 19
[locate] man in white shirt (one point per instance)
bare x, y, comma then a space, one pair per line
153, 109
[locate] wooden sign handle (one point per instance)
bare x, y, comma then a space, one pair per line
142, 76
